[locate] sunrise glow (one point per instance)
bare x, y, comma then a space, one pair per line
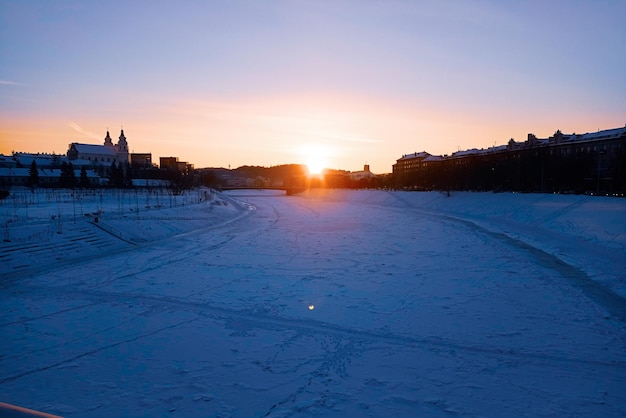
316, 157
361, 88
315, 167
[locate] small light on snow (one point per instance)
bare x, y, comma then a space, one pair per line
311, 307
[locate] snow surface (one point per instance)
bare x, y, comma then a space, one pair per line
329, 303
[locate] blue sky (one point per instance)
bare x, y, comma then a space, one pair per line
273, 82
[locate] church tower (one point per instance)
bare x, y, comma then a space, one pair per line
122, 149
122, 145
107, 140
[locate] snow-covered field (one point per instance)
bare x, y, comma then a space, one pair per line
330, 303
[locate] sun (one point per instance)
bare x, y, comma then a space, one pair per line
315, 166
316, 158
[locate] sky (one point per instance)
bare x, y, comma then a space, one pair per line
338, 83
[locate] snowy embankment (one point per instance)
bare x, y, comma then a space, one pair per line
585, 232
46, 227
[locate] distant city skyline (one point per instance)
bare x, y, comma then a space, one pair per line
339, 84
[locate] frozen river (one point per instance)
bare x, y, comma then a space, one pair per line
334, 304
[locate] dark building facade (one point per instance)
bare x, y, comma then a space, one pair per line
592, 162
141, 160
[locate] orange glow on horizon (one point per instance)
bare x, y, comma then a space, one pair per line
316, 158
320, 130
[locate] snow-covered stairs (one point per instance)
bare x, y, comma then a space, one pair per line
71, 242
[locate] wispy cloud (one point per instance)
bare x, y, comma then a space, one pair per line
9, 83
81, 131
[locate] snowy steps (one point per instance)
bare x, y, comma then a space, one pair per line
74, 241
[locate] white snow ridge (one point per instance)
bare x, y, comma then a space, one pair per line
329, 303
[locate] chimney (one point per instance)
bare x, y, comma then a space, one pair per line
366, 167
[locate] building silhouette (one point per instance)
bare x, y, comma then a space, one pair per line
591, 162
101, 156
